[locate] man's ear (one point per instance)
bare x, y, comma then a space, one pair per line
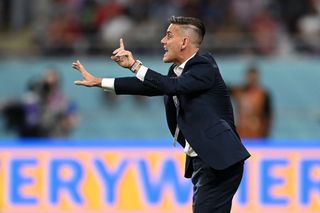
185, 43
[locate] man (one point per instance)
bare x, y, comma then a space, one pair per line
253, 107
198, 109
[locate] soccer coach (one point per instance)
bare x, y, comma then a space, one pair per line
198, 110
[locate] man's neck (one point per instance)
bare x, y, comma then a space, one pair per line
186, 56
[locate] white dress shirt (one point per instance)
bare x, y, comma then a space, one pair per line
178, 71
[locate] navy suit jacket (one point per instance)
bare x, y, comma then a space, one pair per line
205, 114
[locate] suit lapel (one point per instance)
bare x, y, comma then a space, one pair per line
171, 72
168, 99
194, 58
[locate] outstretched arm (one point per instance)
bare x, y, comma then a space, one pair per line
200, 76
120, 86
121, 56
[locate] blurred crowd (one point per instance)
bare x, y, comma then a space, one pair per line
262, 27
68, 27
43, 111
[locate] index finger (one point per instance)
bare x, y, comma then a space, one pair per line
121, 44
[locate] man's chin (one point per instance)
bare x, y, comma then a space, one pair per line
166, 60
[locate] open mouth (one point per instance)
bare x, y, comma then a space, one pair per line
165, 50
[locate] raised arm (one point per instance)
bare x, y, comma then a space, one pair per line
123, 57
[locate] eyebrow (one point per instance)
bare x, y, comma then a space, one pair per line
169, 33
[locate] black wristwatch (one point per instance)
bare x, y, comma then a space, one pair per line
135, 65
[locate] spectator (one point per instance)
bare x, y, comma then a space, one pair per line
264, 31
253, 107
106, 11
309, 28
43, 112
62, 34
117, 27
89, 26
245, 10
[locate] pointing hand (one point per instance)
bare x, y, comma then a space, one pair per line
123, 57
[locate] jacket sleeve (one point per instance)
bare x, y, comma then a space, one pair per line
198, 76
133, 86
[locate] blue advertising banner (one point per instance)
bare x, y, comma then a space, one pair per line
147, 176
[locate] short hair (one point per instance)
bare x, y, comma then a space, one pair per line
194, 23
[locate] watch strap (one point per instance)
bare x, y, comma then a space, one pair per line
135, 65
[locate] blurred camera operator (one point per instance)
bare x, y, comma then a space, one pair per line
43, 112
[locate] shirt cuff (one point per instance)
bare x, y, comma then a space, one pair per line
107, 84
142, 73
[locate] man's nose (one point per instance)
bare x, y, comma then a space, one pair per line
162, 40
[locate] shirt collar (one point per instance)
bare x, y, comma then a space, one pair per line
179, 69
181, 66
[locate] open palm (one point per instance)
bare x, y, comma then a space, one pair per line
88, 79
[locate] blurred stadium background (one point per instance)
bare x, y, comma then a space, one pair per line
281, 38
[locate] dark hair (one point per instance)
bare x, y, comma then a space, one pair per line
197, 23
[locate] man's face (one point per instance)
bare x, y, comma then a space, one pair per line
252, 77
172, 42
